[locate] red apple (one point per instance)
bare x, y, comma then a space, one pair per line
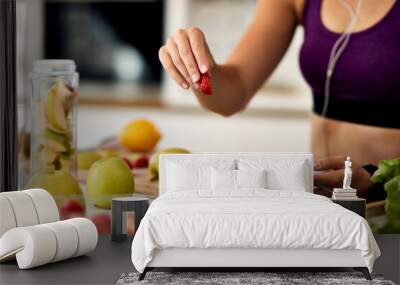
71, 208
103, 223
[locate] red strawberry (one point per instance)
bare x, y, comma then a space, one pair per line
142, 161
205, 85
103, 223
71, 208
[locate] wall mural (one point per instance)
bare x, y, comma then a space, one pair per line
81, 180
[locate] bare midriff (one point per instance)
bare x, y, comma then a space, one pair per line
365, 144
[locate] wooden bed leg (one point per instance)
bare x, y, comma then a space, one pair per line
364, 271
142, 275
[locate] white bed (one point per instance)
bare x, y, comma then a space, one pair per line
281, 224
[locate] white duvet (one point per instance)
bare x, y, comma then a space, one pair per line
250, 219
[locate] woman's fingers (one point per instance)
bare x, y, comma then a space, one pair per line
335, 162
185, 56
185, 51
321, 191
332, 178
200, 50
330, 171
172, 49
169, 66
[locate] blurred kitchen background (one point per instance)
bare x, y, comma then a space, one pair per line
115, 46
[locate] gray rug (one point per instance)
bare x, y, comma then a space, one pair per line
232, 278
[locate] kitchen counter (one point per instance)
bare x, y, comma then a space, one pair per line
200, 131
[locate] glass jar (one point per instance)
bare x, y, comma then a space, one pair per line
53, 116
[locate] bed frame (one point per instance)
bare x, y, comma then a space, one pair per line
246, 259
233, 259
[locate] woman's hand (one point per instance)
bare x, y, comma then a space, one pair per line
185, 56
331, 173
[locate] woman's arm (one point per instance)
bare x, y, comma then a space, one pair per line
186, 55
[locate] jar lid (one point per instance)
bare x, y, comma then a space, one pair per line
54, 66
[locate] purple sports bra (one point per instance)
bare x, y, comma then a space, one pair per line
365, 87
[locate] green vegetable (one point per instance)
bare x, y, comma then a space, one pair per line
392, 203
387, 169
388, 172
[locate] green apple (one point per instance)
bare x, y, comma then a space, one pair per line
108, 178
153, 164
60, 184
108, 152
87, 158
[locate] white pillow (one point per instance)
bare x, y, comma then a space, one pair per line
251, 178
282, 174
183, 175
223, 179
236, 179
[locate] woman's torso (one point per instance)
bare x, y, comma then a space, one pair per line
364, 102
365, 144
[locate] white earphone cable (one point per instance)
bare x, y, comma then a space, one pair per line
337, 50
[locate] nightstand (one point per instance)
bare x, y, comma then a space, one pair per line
357, 206
119, 207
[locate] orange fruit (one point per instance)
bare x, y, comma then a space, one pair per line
139, 136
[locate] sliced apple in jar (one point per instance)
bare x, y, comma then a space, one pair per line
48, 159
55, 141
56, 115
